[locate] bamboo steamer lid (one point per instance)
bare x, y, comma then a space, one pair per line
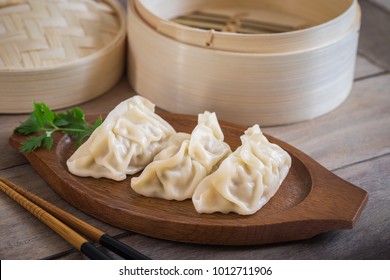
284, 78
61, 52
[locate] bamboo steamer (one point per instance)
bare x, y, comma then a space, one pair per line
59, 52
270, 79
323, 17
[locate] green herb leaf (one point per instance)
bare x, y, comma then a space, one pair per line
32, 143
73, 118
43, 120
43, 115
61, 122
29, 126
97, 123
48, 143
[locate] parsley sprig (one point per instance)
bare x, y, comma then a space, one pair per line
43, 122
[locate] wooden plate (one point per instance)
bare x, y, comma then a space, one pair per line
310, 201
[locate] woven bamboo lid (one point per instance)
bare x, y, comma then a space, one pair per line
62, 52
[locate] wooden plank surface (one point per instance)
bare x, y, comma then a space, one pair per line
27, 231
375, 33
108, 101
368, 240
353, 141
384, 4
115, 203
356, 131
365, 69
334, 140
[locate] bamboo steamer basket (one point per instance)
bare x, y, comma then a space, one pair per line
324, 17
270, 79
59, 52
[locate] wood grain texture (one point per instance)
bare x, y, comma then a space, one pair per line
49, 220
10, 157
364, 68
123, 3
41, 236
368, 240
65, 217
311, 200
375, 34
106, 102
382, 3
287, 85
356, 131
26, 232
361, 149
31, 234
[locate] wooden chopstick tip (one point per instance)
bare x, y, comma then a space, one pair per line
43, 209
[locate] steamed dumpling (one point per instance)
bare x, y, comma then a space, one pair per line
176, 171
128, 139
207, 144
246, 180
172, 175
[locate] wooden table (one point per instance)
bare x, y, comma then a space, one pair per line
353, 141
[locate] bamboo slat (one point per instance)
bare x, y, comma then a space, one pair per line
59, 52
306, 23
270, 79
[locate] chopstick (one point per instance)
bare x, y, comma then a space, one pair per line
72, 237
51, 216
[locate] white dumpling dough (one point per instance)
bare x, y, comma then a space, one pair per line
176, 171
128, 139
246, 180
